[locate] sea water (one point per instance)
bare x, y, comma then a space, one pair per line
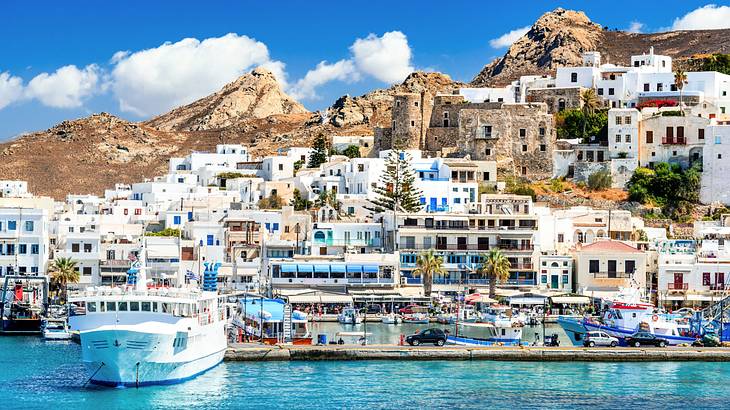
48, 375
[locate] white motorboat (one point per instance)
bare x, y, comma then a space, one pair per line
135, 335
485, 334
349, 316
391, 319
56, 329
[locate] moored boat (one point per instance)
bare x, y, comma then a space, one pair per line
56, 329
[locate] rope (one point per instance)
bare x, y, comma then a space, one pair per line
136, 382
92, 376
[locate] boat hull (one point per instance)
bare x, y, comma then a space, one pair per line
123, 357
576, 329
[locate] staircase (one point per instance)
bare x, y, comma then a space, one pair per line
287, 323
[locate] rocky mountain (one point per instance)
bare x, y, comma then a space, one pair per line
253, 95
374, 107
559, 37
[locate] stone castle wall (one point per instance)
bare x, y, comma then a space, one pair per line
552, 97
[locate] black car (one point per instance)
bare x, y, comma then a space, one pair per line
435, 336
645, 338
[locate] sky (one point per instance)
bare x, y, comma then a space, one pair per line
137, 59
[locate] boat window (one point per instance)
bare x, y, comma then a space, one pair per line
122, 306
102, 307
166, 308
146, 306
91, 307
155, 306
134, 306
111, 306
177, 309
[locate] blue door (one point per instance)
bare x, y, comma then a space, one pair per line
432, 204
210, 240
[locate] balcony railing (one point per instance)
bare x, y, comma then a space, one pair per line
677, 286
674, 141
470, 228
464, 247
612, 275
718, 286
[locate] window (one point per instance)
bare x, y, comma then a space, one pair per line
618, 138
573, 77
618, 120
176, 219
487, 152
29, 226
717, 140
146, 306
673, 87
91, 307
12, 225
660, 86
111, 306
593, 266
134, 306
75, 247
705, 278
281, 167
543, 147
34, 249
627, 120
674, 153
646, 87
565, 279
397, 103
524, 147
413, 123
137, 211
701, 133
122, 306
126, 211
610, 91
22, 249
600, 91
719, 156
87, 248
70, 229
523, 132
542, 131
209, 240
87, 271
415, 103
524, 170
561, 238
650, 137
487, 131
628, 138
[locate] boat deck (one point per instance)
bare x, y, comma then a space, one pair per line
255, 352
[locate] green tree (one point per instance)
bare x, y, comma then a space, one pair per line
352, 151
63, 272
428, 264
165, 232
495, 267
599, 181
575, 123
590, 103
397, 189
680, 79
299, 202
669, 186
327, 198
318, 156
298, 164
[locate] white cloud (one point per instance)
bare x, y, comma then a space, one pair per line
387, 58
67, 87
11, 89
152, 81
506, 39
305, 88
710, 16
635, 27
278, 68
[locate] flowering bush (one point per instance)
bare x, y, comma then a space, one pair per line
656, 103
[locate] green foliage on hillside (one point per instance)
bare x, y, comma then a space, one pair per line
667, 185
600, 181
165, 232
716, 62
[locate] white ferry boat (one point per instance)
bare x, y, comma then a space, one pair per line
136, 336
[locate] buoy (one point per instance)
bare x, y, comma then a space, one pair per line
655, 318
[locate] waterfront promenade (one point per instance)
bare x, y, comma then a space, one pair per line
255, 352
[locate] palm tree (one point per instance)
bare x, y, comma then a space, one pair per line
495, 267
591, 103
429, 264
680, 79
63, 272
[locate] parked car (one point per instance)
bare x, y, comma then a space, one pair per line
599, 339
433, 335
645, 338
408, 310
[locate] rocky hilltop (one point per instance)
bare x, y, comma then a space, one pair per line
253, 95
558, 39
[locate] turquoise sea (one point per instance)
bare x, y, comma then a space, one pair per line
42, 375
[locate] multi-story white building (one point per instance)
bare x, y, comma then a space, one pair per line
24, 241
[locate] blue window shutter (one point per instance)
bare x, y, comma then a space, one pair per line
12, 225
276, 226
210, 240
268, 226
176, 219
190, 216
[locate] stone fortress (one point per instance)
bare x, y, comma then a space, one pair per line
520, 137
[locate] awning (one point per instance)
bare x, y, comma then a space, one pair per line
526, 301
370, 268
571, 300
322, 268
304, 268
289, 268
321, 298
337, 268
354, 268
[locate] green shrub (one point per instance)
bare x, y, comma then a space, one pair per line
599, 181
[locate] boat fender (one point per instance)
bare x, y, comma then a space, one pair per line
655, 318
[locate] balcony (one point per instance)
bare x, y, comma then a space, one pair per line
612, 275
677, 286
718, 287
674, 141
465, 227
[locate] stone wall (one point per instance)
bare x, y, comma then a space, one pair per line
584, 169
621, 171
553, 97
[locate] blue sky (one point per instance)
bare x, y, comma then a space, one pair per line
294, 38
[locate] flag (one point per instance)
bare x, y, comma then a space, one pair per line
190, 275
